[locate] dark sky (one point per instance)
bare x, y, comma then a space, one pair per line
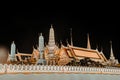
23, 25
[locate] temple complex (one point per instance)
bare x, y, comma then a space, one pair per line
51, 54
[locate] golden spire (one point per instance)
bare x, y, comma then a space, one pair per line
88, 42
51, 41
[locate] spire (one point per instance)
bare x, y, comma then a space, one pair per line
88, 42
51, 36
13, 51
111, 52
41, 49
71, 36
41, 42
13, 47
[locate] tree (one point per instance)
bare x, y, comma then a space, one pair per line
88, 62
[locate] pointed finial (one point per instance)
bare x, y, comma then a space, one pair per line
40, 34
101, 52
33, 47
71, 36
110, 42
88, 42
51, 25
111, 46
67, 42
97, 47
57, 44
101, 49
60, 42
13, 42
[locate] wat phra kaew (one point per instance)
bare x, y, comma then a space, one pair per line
52, 58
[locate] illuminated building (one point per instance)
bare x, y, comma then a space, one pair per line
51, 54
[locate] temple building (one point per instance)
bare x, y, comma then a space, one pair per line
51, 54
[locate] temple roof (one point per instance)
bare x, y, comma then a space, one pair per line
78, 52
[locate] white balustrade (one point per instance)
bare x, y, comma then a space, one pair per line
49, 68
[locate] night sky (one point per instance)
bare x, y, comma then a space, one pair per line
24, 26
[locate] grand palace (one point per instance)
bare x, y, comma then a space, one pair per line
51, 54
